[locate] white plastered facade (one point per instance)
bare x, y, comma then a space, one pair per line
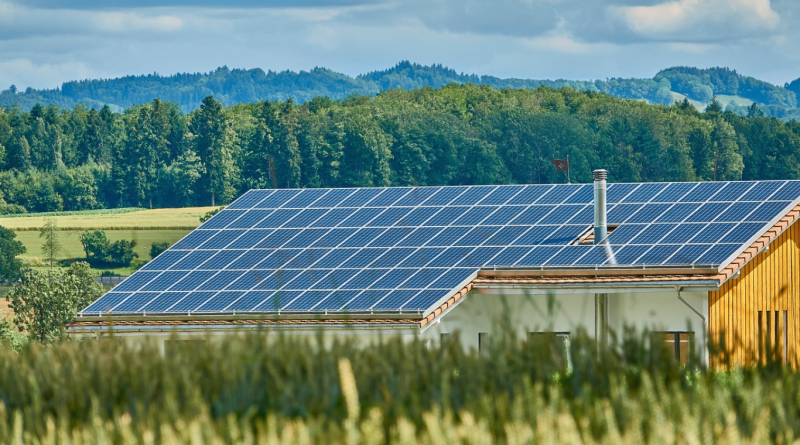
484, 311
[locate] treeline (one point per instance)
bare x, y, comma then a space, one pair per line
155, 155
704, 84
233, 86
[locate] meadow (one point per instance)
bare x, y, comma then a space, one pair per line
293, 391
143, 226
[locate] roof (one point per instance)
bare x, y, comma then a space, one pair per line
344, 252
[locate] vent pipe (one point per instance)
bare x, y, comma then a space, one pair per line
600, 224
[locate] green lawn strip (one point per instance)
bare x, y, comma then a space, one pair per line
157, 219
75, 212
73, 250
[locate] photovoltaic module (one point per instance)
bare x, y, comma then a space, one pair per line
406, 249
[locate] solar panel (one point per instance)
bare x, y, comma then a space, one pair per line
392, 249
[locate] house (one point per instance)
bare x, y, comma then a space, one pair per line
691, 261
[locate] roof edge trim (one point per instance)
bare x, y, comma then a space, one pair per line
735, 263
597, 272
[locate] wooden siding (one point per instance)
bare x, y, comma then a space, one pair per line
743, 313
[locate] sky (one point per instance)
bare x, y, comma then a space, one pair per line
46, 42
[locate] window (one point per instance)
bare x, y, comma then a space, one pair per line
773, 336
557, 343
677, 344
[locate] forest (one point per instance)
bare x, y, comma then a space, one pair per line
155, 155
232, 86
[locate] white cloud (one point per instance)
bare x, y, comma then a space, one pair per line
117, 22
19, 21
24, 73
699, 20
574, 39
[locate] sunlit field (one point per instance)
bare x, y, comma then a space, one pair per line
290, 391
143, 226
183, 218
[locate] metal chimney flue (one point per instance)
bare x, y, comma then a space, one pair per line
600, 224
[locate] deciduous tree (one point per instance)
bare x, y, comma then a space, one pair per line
10, 249
51, 247
45, 301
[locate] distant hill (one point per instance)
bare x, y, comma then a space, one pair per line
231, 86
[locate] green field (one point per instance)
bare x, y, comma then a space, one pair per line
724, 101
144, 226
184, 218
273, 390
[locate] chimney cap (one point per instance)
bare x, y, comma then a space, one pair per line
600, 174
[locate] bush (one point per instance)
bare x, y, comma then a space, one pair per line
121, 253
10, 249
157, 248
95, 245
45, 301
12, 209
99, 250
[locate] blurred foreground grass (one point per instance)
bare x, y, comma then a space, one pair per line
282, 390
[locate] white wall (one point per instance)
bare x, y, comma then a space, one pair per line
484, 313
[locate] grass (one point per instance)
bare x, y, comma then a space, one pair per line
286, 390
678, 97
73, 250
143, 226
76, 212
183, 218
725, 99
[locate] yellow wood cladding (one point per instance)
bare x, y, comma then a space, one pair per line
759, 309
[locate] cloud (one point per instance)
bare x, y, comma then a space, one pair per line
121, 22
498, 17
25, 73
221, 4
46, 42
18, 21
699, 20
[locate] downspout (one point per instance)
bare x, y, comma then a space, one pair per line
600, 233
703, 318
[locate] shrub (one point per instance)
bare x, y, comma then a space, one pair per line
95, 245
45, 301
99, 250
121, 253
157, 248
10, 249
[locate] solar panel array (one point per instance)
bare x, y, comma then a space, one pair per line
409, 248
